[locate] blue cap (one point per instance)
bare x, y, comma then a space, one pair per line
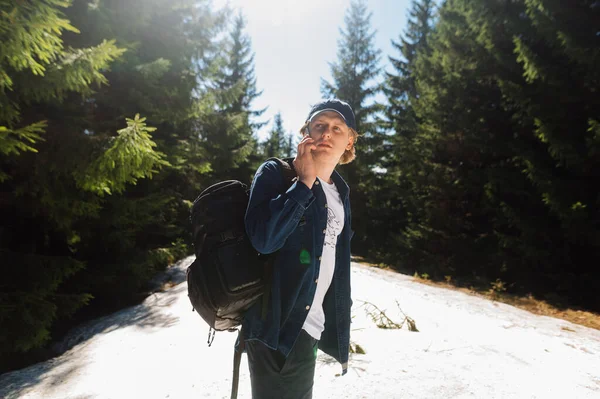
335, 105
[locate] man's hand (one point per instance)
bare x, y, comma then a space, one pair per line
304, 162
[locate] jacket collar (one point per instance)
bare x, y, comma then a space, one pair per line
341, 185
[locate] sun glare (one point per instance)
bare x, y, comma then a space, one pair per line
279, 11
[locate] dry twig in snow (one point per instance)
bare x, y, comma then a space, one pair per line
381, 320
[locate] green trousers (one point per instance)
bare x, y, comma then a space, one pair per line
273, 376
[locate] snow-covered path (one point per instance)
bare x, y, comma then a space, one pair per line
467, 347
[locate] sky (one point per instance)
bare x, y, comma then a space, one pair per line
294, 42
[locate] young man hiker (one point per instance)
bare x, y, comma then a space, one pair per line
309, 225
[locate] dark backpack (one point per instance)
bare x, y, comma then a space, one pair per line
228, 275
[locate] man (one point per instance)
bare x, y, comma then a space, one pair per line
309, 225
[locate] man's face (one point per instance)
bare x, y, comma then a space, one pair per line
331, 134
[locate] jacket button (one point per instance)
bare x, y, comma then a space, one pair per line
316, 281
317, 182
324, 231
320, 257
326, 205
307, 307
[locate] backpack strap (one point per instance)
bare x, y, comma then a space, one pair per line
288, 170
237, 359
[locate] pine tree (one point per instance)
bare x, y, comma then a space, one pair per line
400, 88
37, 69
397, 201
231, 129
81, 216
460, 116
171, 48
239, 73
551, 227
354, 81
276, 143
357, 67
291, 144
507, 109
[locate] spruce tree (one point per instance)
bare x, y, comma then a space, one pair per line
291, 144
400, 87
550, 226
397, 199
507, 109
239, 73
38, 70
276, 144
354, 80
230, 123
81, 216
37, 67
460, 117
171, 48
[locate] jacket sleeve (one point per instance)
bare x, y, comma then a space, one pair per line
273, 213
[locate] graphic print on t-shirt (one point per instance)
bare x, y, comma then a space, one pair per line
315, 320
333, 229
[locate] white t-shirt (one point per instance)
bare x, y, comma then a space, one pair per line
315, 321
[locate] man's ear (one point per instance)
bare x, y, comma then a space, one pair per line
350, 143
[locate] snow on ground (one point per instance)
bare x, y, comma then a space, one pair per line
466, 347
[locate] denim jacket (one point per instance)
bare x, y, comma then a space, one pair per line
293, 222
